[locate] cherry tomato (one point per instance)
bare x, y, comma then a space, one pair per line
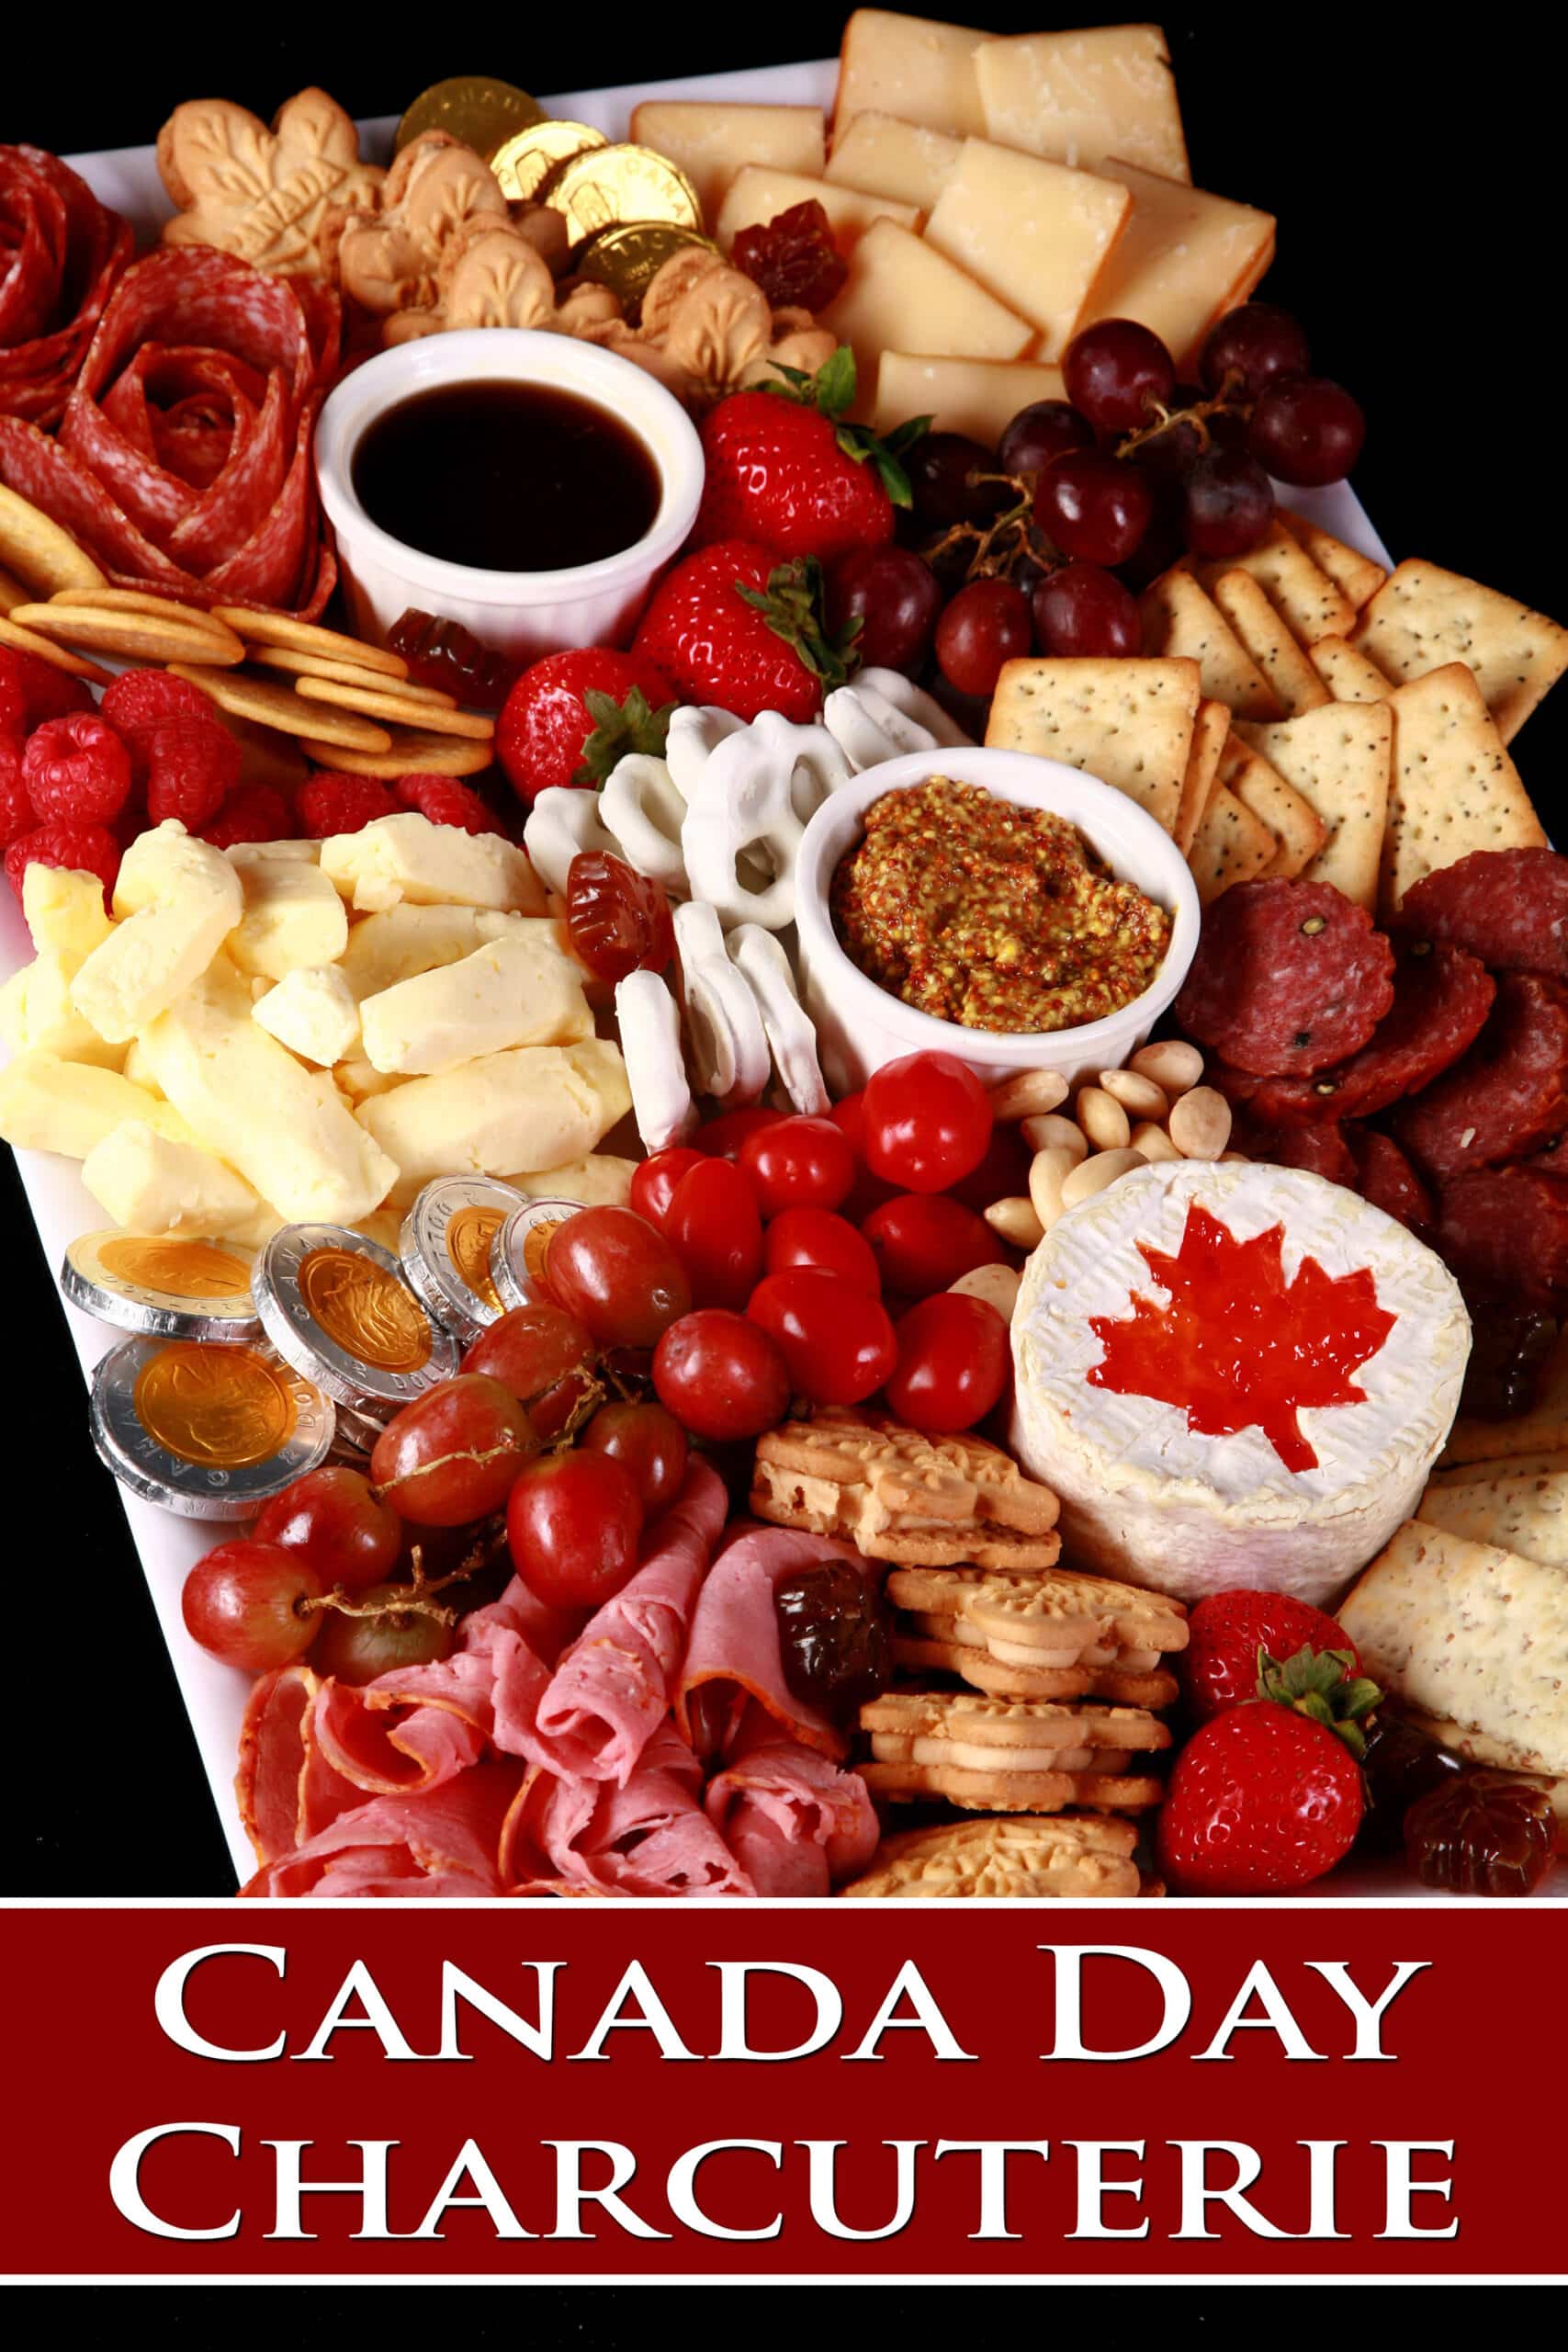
722, 1138
721, 1376
650, 1442
923, 1241
798, 1163
1002, 1175
870, 1191
928, 1121
451, 1455
837, 1341
654, 1182
573, 1525
954, 1360
333, 1519
817, 1238
609, 1268
716, 1233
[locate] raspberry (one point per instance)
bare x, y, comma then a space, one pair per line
77, 770
44, 691
445, 801
16, 808
331, 803
256, 812
193, 764
143, 698
88, 849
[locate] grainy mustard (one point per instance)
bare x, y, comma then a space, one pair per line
979, 911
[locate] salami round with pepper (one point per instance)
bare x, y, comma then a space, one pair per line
1508, 1096
1320, 1150
1289, 977
1507, 1228
1385, 1177
1509, 907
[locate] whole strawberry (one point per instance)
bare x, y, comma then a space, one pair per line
732, 625
786, 470
570, 717
1226, 1632
1269, 1795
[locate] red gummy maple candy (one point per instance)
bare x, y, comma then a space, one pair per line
1239, 1347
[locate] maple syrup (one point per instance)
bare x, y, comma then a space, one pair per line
503, 476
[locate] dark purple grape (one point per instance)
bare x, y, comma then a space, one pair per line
1227, 505
1092, 507
1401, 1764
895, 596
1307, 431
1081, 609
1116, 372
1166, 455
986, 625
940, 466
1228, 429
1252, 345
1040, 433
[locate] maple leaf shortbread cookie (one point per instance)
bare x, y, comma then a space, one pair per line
1014, 1755
897, 1493
1053, 1634
1063, 1857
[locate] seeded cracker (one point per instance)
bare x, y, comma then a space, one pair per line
1356, 575
1231, 846
1181, 620
1337, 759
1510, 1504
1208, 742
1128, 722
1424, 617
1454, 788
1266, 637
1348, 674
1304, 597
1295, 822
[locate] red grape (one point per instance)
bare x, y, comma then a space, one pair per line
242, 1602
330, 1518
895, 596
573, 1525
923, 1241
837, 1341
1307, 431
654, 1182
721, 1376
1116, 372
1249, 346
544, 1356
716, 1231
609, 1268
1081, 609
817, 1238
800, 1163
984, 626
651, 1443
451, 1455
1092, 507
954, 1360
1041, 433
1227, 505
359, 1649
927, 1122
938, 467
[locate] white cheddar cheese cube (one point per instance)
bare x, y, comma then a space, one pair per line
313, 1012
37, 1014
886, 157
406, 858
177, 899
136, 1069
293, 918
386, 948
898, 283
356, 1081
290, 853
1184, 259
902, 65
979, 397
1035, 234
47, 1105
600, 1181
245, 1097
521, 989
152, 1183
756, 195
533, 1106
64, 909
711, 140
1082, 97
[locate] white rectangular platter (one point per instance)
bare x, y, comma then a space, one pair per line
167, 1546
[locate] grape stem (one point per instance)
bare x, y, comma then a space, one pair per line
1197, 417
1002, 546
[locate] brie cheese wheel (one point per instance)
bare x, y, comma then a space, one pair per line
1223, 1418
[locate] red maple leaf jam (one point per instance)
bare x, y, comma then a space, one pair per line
1238, 1346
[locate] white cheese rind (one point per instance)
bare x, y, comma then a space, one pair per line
1145, 1499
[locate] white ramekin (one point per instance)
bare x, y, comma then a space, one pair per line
521, 614
860, 1025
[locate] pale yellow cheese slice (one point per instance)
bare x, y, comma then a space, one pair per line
1081, 97
903, 65
979, 397
1035, 234
897, 281
1184, 258
758, 194
886, 157
711, 140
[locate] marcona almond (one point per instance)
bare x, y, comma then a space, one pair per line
1152, 1142
1093, 1175
1052, 1131
1139, 1096
1014, 1220
997, 1285
1171, 1063
1047, 1172
1102, 1119
1200, 1123
1028, 1093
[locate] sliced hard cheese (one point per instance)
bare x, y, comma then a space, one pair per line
979, 397
1149, 1496
757, 195
883, 156
712, 141
1082, 97
898, 282
1036, 233
1183, 259
902, 65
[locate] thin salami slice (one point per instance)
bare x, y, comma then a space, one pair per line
1507, 1229
1289, 977
60, 253
1507, 906
1320, 1150
1385, 1177
1507, 1097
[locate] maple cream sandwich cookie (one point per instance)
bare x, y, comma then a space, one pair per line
1061, 1858
1015, 1755
1054, 1635
897, 1494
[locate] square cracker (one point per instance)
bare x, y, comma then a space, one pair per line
1231, 846
1295, 824
1245, 604
1356, 575
1423, 617
1301, 593
1182, 621
1128, 722
1348, 674
1511, 1504
1453, 787
1337, 758
1208, 742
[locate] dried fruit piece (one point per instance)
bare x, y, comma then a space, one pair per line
618, 921
1481, 1832
833, 1638
446, 655
793, 258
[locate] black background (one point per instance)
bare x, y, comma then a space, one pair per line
1416, 179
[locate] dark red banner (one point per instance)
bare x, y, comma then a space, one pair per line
586, 2091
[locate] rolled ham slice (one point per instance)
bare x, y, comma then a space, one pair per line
285, 1789
733, 1655
651, 1838
440, 1841
794, 1823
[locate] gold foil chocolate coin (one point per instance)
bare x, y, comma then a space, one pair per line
475, 108
614, 184
527, 161
629, 254
225, 1411
207, 1429
338, 1308
172, 1284
517, 1253
445, 1244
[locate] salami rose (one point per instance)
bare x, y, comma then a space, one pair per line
60, 252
